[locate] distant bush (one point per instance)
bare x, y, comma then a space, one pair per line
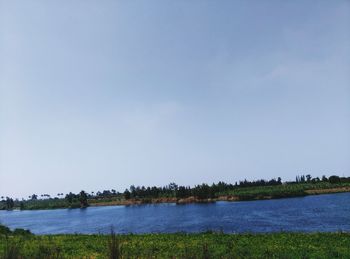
4, 230
334, 179
22, 232
18, 231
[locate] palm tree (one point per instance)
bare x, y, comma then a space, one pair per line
83, 199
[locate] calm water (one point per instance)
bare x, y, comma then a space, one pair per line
307, 214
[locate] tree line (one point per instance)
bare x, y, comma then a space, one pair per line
172, 190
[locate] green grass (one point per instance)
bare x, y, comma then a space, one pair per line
204, 245
279, 191
48, 204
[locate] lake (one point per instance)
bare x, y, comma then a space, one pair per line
323, 213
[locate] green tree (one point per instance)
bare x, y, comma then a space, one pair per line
83, 199
9, 203
69, 197
308, 178
127, 194
334, 179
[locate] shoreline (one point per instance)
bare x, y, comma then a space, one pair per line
190, 200
230, 198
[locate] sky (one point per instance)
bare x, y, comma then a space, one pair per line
96, 95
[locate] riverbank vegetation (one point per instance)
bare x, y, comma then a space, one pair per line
179, 245
242, 190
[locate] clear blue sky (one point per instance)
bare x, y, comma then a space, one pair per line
104, 94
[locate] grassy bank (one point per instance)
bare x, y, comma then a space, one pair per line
205, 245
285, 191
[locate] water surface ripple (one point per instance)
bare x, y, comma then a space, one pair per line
323, 213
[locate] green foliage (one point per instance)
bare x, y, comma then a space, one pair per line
83, 199
334, 179
113, 246
46, 204
18, 231
21, 232
127, 194
11, 249
244, 190
180, 245
4, 230
279, 191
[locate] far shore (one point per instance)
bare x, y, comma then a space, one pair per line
172, 193
231, 198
